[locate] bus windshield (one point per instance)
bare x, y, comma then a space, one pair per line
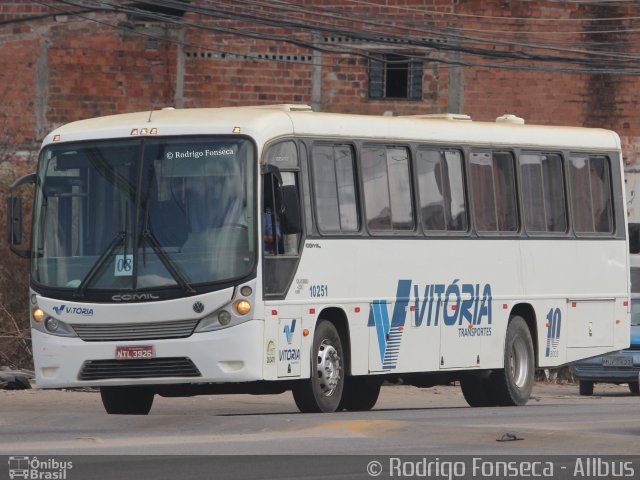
144, 214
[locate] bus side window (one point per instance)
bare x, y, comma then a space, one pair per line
281, 200
334, 188
591, 194
271, 224
385, 177
493, 187
441, 190
542, 192
281, 219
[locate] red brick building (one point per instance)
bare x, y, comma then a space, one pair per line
550, 62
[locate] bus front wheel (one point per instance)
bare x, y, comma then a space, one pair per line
513, 384
127, 400
323, 391
360, 393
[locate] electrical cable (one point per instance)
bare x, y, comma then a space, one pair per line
603, 62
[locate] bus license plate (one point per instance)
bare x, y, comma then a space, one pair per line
619, 361
137, 352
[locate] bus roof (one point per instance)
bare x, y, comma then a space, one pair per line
264, 123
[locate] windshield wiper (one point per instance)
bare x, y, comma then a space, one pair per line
120, 238
148, 236
172, 268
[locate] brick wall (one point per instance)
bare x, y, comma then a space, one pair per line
59, 68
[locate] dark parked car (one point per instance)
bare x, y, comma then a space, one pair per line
617, 367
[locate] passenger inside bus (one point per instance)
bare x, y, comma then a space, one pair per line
268, 233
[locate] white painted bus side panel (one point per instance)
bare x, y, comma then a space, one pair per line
424, 270
589, 278
516, 272
573, 267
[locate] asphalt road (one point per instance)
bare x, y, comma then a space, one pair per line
406, 421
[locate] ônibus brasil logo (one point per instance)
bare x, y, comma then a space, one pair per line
38, 469
458, 305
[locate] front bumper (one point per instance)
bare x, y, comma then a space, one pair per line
231, 355
595, 370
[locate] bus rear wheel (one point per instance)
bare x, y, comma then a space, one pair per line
513, 384
323, 391
127, 400
477, 390
360, 393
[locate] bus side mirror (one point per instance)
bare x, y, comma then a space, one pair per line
15, 216
292, 222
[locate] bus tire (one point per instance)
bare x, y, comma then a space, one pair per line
512, 385
323, 391
586, 388
360, 393
127, 400
634, 387
477, 391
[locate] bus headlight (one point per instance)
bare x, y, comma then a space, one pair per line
53, 326
224, 318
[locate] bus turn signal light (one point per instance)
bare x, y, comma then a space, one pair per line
243, 307
38, 314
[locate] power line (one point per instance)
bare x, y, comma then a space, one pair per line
610, 63
412, 41
491, 17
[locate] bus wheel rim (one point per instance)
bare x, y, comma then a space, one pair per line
519, 364
328, 368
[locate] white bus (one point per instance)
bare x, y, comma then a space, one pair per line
265, 249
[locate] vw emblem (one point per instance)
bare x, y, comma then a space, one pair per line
198, 307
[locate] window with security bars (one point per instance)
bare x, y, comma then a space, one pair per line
395, 77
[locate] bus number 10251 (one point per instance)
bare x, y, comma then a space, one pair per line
318, 290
